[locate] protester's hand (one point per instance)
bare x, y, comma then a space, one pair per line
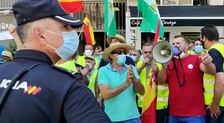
155, 68
145, 61
164, 66
214, 110
206, 58
99, 101
85, 70
130, 75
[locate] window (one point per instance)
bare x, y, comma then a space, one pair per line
190, 36
199, 2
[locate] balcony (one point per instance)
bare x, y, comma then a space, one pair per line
95, 10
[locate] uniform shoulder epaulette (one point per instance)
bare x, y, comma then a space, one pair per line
68, 72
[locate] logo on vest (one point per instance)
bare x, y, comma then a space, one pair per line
27, 89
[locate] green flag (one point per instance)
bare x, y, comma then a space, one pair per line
151, 16
109, 18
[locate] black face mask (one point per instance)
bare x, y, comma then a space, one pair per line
203, 44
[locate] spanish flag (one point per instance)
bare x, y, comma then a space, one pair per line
149, 100
72, 5
88, 31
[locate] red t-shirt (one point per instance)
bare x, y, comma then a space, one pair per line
187, 100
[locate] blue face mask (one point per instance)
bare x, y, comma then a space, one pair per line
133, 58
121, 59
175, 51
69, 46
198, 48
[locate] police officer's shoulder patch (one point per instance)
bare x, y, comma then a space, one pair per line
69, 72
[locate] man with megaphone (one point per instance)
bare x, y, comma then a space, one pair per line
184, 75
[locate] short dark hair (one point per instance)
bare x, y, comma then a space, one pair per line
148, 44
181, 36
210, 32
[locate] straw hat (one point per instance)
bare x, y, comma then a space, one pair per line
7, 54
113, 47
118, 37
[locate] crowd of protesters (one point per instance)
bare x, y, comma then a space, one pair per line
189, 88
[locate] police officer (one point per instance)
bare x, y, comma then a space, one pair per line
32, 89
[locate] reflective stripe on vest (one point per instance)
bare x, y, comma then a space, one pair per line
209, 80
92, 81
143, 79
162, 96
162, 99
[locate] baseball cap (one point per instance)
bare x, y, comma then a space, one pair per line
26, 11
8, 54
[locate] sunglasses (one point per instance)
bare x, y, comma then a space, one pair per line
119, 52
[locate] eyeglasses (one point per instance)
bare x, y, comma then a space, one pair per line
119, 52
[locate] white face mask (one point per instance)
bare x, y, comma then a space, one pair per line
88, 53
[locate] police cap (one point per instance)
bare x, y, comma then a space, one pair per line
26, 11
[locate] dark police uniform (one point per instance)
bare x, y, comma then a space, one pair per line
46, 94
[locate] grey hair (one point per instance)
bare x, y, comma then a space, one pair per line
22, 31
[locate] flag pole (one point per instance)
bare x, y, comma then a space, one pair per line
80, 31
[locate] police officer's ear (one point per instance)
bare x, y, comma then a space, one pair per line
40, 35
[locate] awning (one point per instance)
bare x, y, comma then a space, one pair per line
186, 15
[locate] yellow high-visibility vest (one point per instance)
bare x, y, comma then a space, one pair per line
92, 81
162, 90
69, 65
209, 80
81, 60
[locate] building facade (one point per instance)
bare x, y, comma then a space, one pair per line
179, 17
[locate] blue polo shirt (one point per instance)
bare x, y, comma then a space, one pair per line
123, 106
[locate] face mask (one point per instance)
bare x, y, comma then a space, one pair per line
90, 65
175, 51
69, 46
88, 53
121, 59
133, 58
141, 57
203, 44
198, 48
99, 57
